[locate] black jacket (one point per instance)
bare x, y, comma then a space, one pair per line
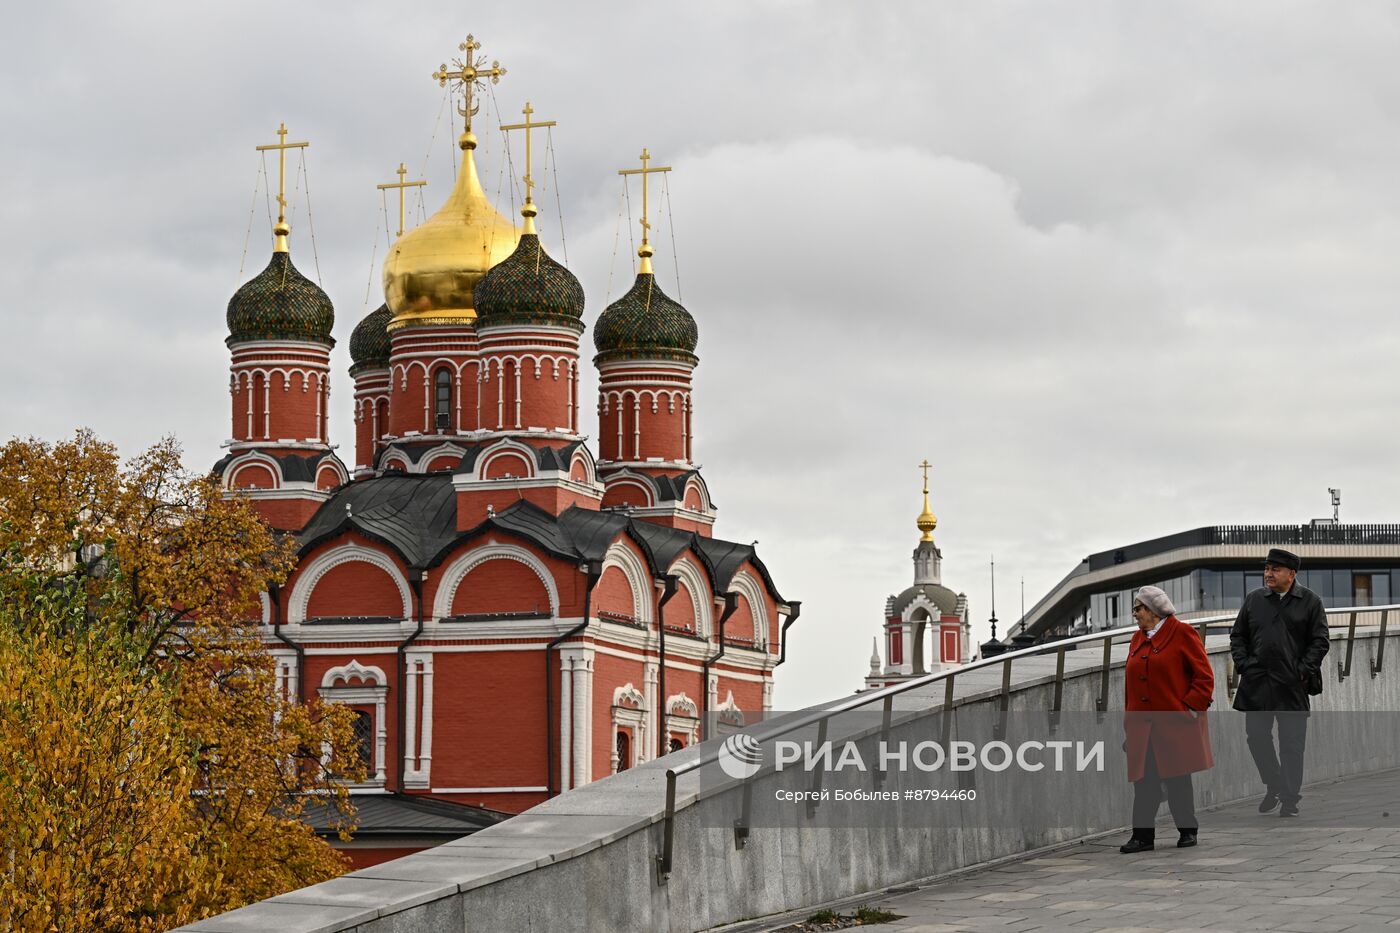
1275, 641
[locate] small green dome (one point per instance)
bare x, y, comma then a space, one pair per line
645, 324
528, 287
279, 303
369, 341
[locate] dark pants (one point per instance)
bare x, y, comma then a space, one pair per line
1147, 797
1282, 773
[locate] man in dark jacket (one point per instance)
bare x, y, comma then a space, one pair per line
1278, 642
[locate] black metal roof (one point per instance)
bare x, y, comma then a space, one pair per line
399, 814
416, 516
296, 468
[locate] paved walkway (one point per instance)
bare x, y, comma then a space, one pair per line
1250, 872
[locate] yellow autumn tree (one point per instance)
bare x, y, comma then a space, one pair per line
150, 772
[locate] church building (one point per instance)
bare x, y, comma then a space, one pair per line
926, 627
510, 610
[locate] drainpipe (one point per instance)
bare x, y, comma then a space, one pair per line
671, 583
794, 610
593, 573
731, 603
417, 581
274, 596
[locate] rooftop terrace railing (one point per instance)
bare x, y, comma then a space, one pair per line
886, 695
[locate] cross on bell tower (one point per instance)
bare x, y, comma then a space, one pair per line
645, 252
529, 210
401, 184
280, 231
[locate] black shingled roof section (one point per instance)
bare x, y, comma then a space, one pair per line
398, 814
416, 515
296, 468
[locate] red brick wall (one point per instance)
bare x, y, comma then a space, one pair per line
507, 463
489, 719
680, 611
500, 585
253, 476
355, 588
614, 594
609, 673
625, 493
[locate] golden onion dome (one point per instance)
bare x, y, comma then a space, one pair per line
431, 272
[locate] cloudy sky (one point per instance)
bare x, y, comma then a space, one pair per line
1116, 269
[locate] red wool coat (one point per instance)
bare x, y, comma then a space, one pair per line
1168, 676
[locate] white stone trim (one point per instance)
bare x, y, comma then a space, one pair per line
752, 591
252, 457
630, 717
622, 557
372, 688
511, 447
457, 571
312, 573
683, 716
698, 585
490, 790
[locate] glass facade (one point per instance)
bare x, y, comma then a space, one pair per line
1222, 590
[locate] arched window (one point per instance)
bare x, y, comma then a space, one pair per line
624, 750
442, 399
676, 744
363, 731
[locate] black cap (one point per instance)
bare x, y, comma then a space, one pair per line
1278, 555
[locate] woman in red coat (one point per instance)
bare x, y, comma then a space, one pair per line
1168, 685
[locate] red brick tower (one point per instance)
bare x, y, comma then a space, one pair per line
430, 277
646, 360
529, 318
280, 340
369, 358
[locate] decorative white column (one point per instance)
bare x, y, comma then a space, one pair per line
566, 725
583, 681
410, 726
425, 750
768, 695
906, 635
418, 742
648, 750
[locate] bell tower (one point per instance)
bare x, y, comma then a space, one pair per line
646, 364
280, 341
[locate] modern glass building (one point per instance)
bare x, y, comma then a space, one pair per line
1208, 571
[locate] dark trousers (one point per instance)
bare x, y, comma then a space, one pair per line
1147, 797
1282, 773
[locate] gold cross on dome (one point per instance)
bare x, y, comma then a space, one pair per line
281, 230
645, 252
926, 466
527, 126
470, 71
401, 184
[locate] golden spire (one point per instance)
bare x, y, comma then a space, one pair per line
469, 72
401, 184
279, 232
528, 211
645, 251
926, 521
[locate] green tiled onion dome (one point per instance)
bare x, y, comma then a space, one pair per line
279, 303
645, 324
369, 341
528, 287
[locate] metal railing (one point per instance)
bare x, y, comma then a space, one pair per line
885, 695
